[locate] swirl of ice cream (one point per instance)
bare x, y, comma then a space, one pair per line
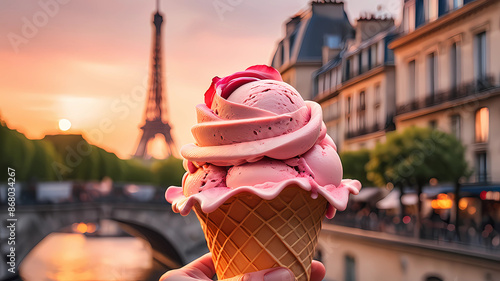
256, 134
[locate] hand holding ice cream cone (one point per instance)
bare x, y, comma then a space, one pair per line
261, 176
203, 269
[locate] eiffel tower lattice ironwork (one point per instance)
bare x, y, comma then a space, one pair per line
155, 114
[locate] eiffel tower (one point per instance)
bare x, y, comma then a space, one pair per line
155, 115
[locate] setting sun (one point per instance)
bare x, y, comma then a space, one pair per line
64, 124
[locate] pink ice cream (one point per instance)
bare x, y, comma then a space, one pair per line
256, 134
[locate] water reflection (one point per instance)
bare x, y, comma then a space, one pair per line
75, 257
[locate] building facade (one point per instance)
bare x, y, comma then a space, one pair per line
437, 68
448, 76
300, 52
356, 88
354, 254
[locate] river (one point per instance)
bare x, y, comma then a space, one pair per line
76, 257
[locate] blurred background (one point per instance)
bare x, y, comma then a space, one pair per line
97, 99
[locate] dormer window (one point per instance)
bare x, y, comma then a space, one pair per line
332, 41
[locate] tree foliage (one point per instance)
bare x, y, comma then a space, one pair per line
168, 172
71, 157
415, 155
354, 165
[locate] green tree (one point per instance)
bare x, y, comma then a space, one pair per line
71, 157
16, 152
354, 165
414, 156
78, 160
41, 166
111, 165
168, 171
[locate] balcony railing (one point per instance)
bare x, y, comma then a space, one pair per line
464, 90
364, 130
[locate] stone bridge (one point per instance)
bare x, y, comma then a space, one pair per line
140, 210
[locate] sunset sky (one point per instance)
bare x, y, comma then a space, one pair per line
88, 61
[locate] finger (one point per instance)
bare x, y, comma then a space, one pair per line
199, 269
272, 274
204, 264
318, 271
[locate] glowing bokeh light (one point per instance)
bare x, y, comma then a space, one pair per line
81, 227
443, 201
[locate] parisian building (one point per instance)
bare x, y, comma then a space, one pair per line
300, 52
356, 88
448, 76
437, 68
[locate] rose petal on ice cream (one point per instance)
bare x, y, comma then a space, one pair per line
209, 94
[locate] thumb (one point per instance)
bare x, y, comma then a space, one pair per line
272, 274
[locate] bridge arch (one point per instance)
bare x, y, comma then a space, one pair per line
175, 240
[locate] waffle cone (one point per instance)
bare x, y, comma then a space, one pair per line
248, 234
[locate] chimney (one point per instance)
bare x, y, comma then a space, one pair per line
328, 8
369, 26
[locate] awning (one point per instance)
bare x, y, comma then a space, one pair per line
432, 191
368, 193
476, 189
391, 201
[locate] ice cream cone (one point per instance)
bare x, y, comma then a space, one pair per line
247, 233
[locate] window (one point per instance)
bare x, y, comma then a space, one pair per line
455, 4
456, 126
360, 63
349, 105
376, 112
362, 115
482, 124
377, 94
292, 43
369, 58
348, 69
433, 124
411, 80
362, 100
332, 41
480, 56
350, 268
481, 167
409, 23
431, 72
374, 50
431, 10
454, 66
